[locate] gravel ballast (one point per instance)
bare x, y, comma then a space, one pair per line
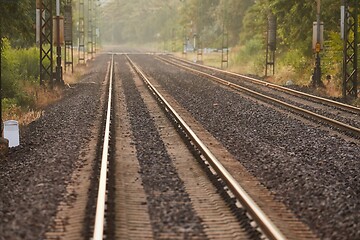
34, 176
313, 172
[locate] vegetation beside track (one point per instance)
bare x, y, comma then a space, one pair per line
23, 99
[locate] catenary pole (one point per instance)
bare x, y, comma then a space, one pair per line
317, 74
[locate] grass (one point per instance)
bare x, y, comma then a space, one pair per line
283, 72
43, 96
210, 59
357, 102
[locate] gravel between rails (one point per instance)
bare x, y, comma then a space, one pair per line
169, 205
34, 176
314, 173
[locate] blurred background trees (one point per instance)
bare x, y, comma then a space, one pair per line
163, 25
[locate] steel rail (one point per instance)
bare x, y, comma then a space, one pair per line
266, 225
101, 199
274, 86
330, 121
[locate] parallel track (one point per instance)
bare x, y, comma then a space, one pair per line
338, 124
277, 87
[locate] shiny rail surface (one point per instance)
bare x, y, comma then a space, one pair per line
266, 225
275, 86
335, 123
101, 199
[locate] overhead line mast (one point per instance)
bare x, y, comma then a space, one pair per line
349, 30
81, 32
46, 40
68, 36
90, 46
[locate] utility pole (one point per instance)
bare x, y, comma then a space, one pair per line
68, 36
59, 74
349, 34
90, 39
185, 42
81, 33
95, 24
317, 70
199, 51
46, 40
225, 40
270, 43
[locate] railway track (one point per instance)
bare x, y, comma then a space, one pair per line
159, 186
161, 183
279, 225
341, 116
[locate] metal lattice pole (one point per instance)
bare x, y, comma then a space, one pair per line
46, 41
225, 40
95, 24
350, 9
90, 45
224, 48
317, 70
68, 36
270, 43
81, 29
58, 68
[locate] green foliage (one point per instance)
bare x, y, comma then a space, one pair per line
9, 66
245, 21
254, 23
295, 59
251, 55
233, 13
9, 103
137, 21
294, 32
332, 58
29, 61
210, 18
19, 68
333, 53
17, 18
252, 47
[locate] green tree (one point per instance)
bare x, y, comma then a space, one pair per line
136, 21
294, 20
17, 18
231, 14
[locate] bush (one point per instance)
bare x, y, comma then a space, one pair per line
9, 72
29, 62
295, 59
19, 68
252, 55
